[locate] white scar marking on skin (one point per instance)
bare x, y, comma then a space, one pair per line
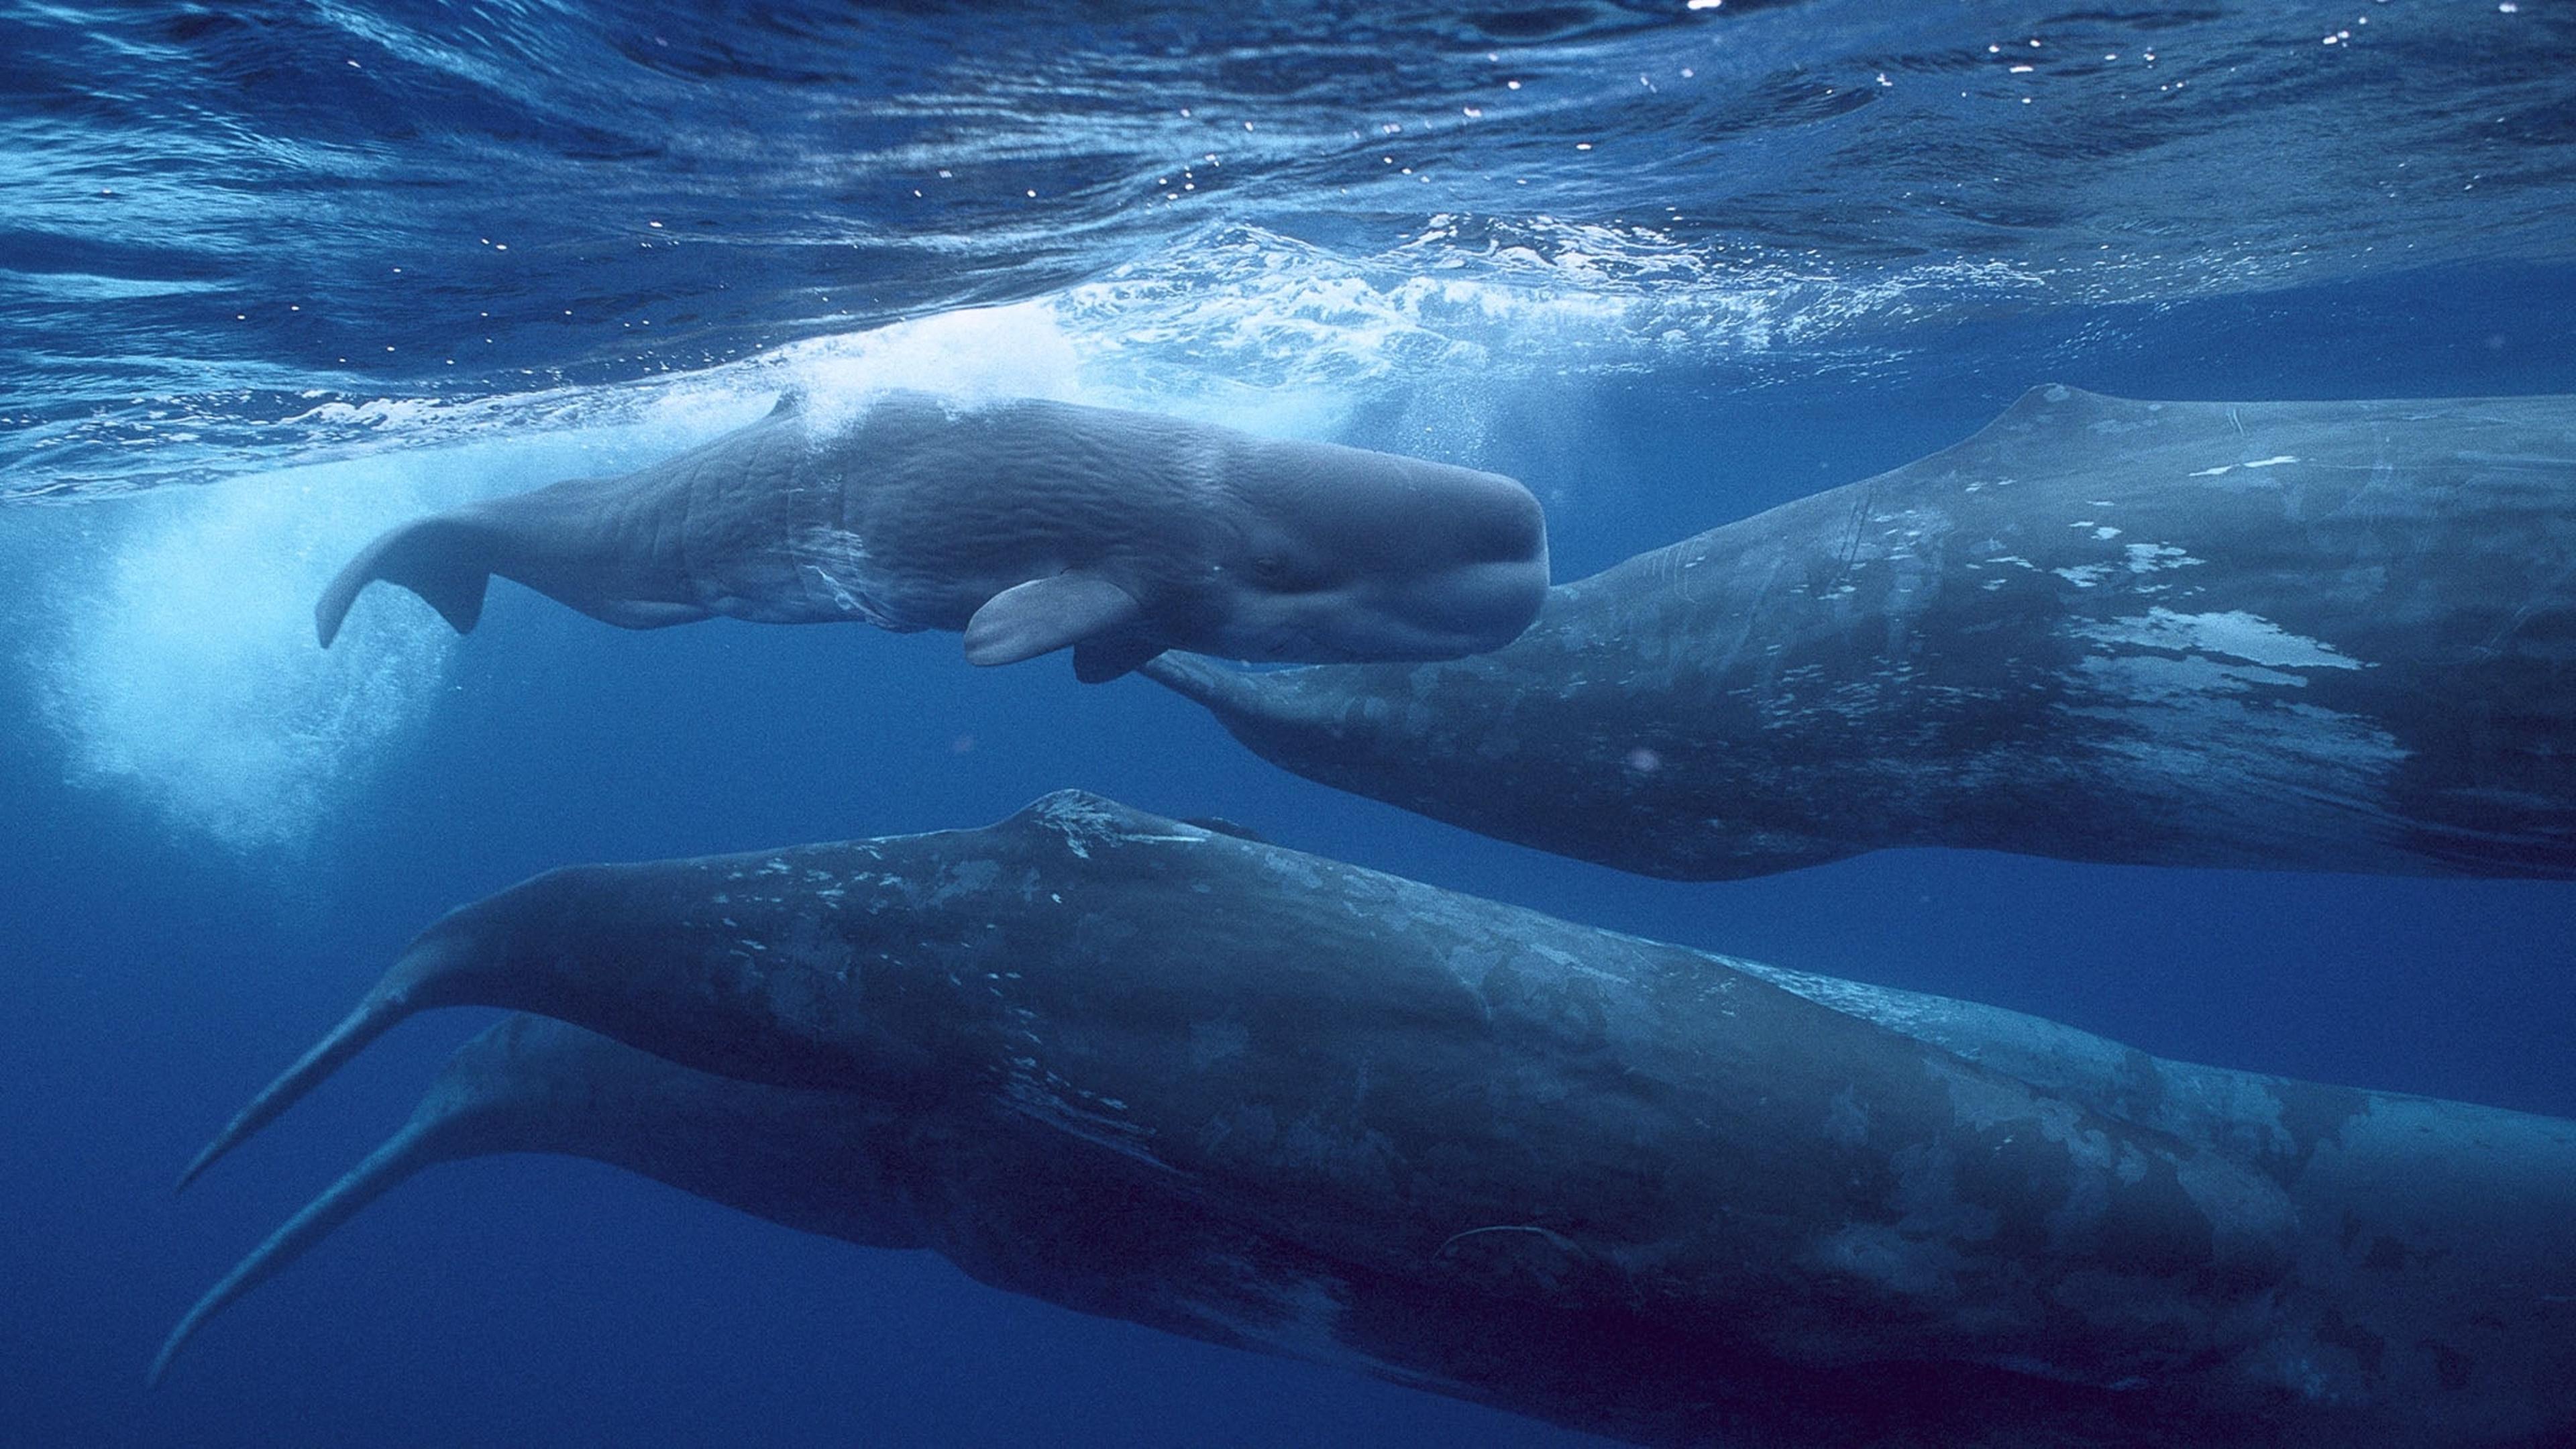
2146, 558
2234, 633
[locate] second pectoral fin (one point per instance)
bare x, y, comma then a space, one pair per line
1044, 615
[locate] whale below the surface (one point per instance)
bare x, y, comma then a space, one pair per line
1029, 525
1280, 1103
2318, 636
812, 1160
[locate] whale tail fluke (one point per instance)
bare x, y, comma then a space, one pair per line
425, 1140
445, 559
400, 993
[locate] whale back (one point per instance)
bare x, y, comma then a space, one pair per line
1145, 992
1255, 1096
2336, 635
2439, 1253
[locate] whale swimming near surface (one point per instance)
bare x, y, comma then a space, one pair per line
1273, 1101
2316, 636
1029, 525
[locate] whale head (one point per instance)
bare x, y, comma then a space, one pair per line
1342, 554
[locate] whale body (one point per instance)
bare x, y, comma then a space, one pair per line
2315, 636
1028, 525
1273, 1101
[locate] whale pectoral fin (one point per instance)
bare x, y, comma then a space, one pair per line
1044, 615
444, 560
1099, 660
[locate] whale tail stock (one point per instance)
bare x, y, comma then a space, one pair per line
444, 559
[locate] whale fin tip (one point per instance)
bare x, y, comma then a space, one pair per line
394, 997
442, 559
1044, 615
432, 1135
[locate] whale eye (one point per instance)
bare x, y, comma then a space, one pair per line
1285, 571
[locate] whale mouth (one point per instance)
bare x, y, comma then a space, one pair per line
1450, 613
1480, 605
1461, 610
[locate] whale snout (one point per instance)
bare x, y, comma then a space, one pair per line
1499, 521
1467, 574
1349, 556
1439, 594
1462, 609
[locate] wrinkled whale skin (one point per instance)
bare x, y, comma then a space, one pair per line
2320, 636
1028, 525
1277, 1102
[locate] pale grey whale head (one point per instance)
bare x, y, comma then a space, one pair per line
1346, 554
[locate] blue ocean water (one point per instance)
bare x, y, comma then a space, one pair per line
274, 276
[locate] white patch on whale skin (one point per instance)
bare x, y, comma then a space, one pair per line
2137, 558
1085, 820
2233, 633
832, 567
967, 879
2146, 558
2223, 468
1042, 1101
2203, 710
2154, 679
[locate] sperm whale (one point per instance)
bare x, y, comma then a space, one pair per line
1029, 525
2275, 636
1275, 1101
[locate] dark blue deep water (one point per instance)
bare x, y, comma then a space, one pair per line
276, 275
